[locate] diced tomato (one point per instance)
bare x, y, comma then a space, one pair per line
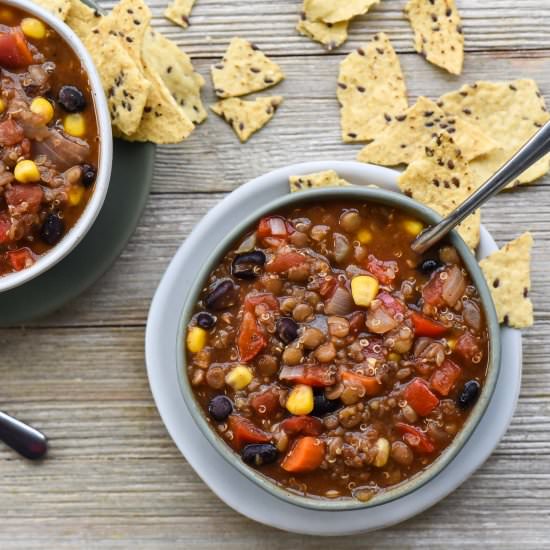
266, 298
415, 438
328, 286
283, 261
371, 384
14, 50
302, 425
31, 194
433, 290
245, 431
420, 397
10, 133
444, 378
426, 327
310, 375
391, 304
266, 402
5, 225
306, 455
251, 339
467, 346
357, 323
20, 259
384, 270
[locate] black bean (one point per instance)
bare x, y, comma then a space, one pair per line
222, 296
469, 394
220, 407
206, 320
287, 329
323, 406
248, 264
258, 454
71, 99
429, 265
89, 174
52, 229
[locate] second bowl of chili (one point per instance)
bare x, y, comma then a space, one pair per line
344, 370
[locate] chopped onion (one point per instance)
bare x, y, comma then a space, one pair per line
341, 247
340, 303
454, 285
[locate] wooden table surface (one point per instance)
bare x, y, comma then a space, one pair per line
114, 478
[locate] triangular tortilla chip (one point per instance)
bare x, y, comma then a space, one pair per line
405, 137
328, 178
331, 35
332, 11
508, 275
179, 11
175, 68
82, 19
442, 181
244, 69
60, 8
371, 90
247, 117
508, 112
438, 32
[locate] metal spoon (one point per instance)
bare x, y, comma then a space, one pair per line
22, 438
533, 150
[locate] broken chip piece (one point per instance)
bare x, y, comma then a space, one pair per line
333, 11
178, 11
330, 35
327, 178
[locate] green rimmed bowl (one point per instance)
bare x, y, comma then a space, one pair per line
350, 194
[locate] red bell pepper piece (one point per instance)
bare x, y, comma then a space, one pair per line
426, 327
371, 384
467, 346
415, 438
310, 375
302, 425
283, 261
251, 339
266, 402
420, 397
245, 431
444, 378
14, 50
20, 259
266, 298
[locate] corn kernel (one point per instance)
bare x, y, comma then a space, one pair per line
364, 289
414, 227
364, 236
75, 195
394, 357
75, 125
238, 377
300, 400
2, 105
451, 342
196, 339
26, 171
43, 108
382, 447
33, 28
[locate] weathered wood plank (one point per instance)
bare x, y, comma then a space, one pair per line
307, 125
506, 24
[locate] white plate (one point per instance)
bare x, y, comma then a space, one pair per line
231, 486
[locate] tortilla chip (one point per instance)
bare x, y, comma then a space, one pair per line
332, 11
371, 90
247, 117
82, 19
508, 112
60, 8
244, 69
438, 32
331, 35
508, 275
176, 71
442, 181
406, 136
328, 178
179, 11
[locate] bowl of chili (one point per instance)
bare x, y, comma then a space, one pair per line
352, 381
55, 142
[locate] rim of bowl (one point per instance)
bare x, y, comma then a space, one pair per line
88, 216
381, 196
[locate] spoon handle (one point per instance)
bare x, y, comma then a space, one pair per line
533, 150
22, 438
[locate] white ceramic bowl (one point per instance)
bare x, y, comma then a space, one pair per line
86, 220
